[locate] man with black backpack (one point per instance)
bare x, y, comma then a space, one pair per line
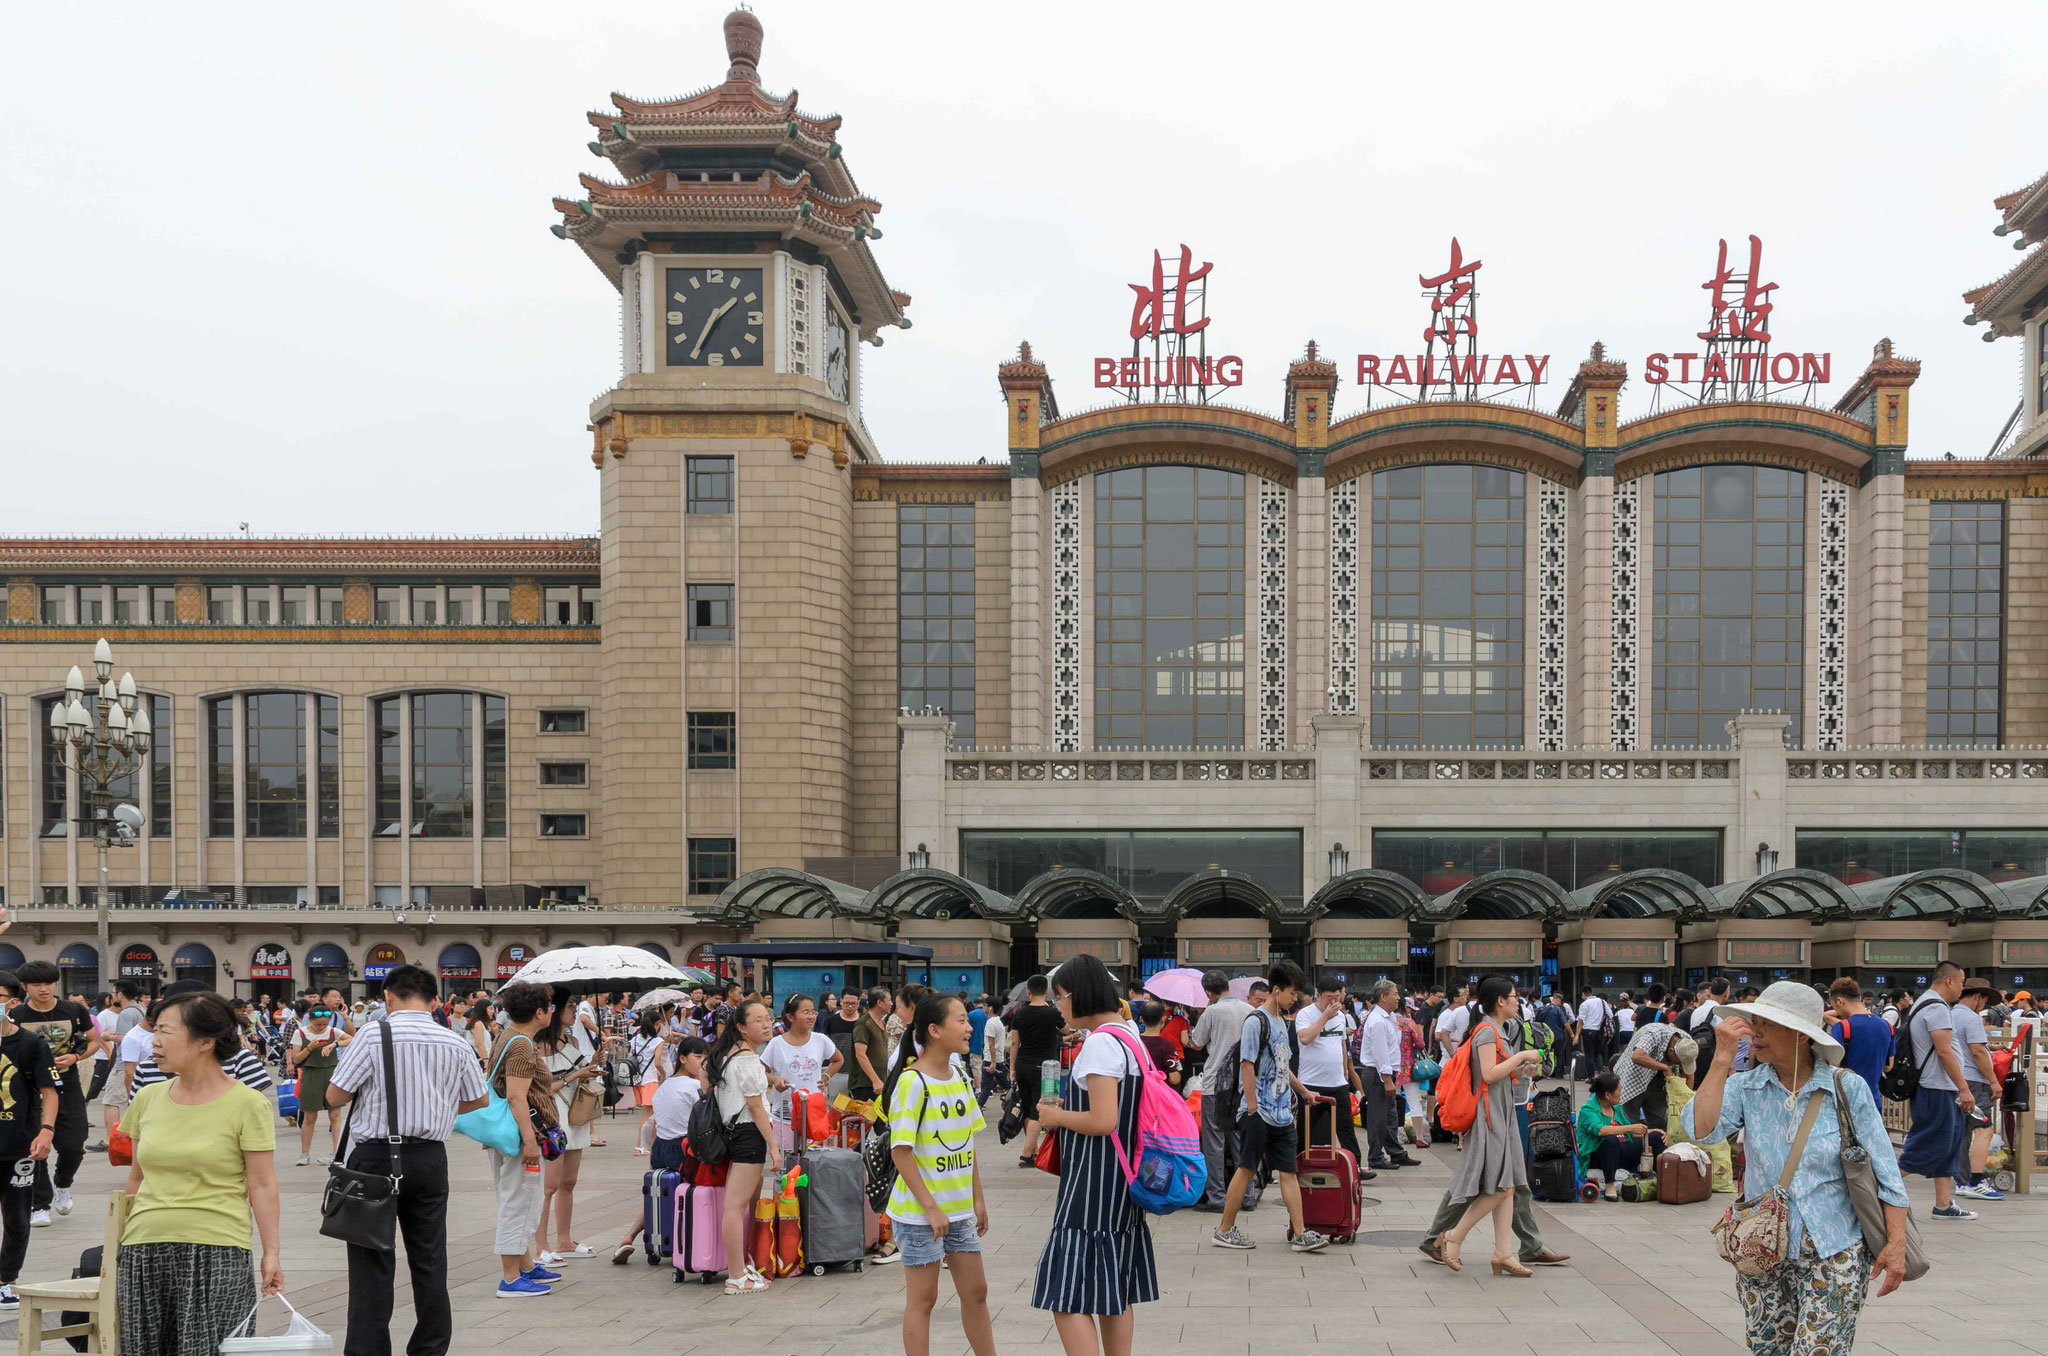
1596, 1025
1927, 1074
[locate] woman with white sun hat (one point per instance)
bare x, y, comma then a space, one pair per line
1811, 1300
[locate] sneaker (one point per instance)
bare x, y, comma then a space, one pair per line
1234, 1239
1406, 1161
305, 1161
62, 1200
1979, 1191
322, 1159
1308, 1240
39, 1219
98, 1146
522, 1289
1939, 1212
539, 1273
9, 1301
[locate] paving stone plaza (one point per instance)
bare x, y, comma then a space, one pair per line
1643, 1279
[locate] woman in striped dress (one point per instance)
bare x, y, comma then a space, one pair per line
1098, 1259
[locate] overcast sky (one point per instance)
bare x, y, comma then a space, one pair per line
290, 265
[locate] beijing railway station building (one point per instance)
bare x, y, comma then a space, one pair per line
1597, 672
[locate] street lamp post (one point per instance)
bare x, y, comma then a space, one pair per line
101, 742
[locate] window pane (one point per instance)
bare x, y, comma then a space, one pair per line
256, 604
387, 603
330, 767
441, 771
56, 604
389, 769
710, 612
494, 767
1729, 600
714, 864
294, 607
935, 578
220, 602
1447, 637
128, 603
274, 748
331, 603
55, 788
712, 740
1169, 565
1965, 616
426, 607
220, 728
710, 484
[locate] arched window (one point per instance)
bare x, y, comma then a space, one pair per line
1447, 607
426, 752
1169, 608
1729, 621
291, 749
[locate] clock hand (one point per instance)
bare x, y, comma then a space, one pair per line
705, 333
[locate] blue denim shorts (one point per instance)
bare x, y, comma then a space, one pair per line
921, 1247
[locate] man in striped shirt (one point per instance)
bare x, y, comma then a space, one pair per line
437, 1077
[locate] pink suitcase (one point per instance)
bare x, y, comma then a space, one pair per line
699, 1235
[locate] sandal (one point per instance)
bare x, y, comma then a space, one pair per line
1026, 1160
750, 1282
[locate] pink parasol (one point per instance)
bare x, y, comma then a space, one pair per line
1241, 987
1182, 986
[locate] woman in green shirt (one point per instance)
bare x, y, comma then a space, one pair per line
204, 1158
1608, 1143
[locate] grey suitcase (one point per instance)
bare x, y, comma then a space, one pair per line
834, 1207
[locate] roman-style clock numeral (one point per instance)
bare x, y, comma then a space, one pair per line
724, 332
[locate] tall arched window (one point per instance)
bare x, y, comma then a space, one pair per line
1447, 607
1729, 621
1169, 608
289, 769
442, 756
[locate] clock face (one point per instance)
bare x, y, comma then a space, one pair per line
836, 355
716, 317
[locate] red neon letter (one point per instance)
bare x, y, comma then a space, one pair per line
1230, 371
1816, 366
1368, 369
1397, 371
1654, 370
1778, 372
1537, 367
1105, 371
1507, 371
1127, 372
1685, 362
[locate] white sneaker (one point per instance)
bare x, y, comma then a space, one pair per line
9, 1301
39, 1219
62, 1201
305, 1160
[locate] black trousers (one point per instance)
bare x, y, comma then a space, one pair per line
1593, 1044
100, 1069
423, 1225
15, 1189
1315, 1127
67, 1148
1382, 1120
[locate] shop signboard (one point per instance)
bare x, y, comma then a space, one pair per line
270, 961
382, 960
1053, 950
2023, 952
1207, 951
1497, 950
1763, 952
1630, 951
1365, 951
512, 959
1901, 951
952, 950
138, 962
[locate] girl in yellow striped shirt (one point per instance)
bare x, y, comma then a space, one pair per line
937, 1208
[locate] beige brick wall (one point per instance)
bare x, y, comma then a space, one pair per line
875, 687
1913, 627
2026, 614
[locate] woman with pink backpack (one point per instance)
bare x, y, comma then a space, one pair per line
1098, 1260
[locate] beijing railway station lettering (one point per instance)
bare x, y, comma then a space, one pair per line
1737, 362
1453, 324
1170, 315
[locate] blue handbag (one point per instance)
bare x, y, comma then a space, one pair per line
492, 1126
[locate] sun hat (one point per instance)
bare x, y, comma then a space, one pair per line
1978, 984
1796, 1007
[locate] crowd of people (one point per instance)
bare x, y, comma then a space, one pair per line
185, 1084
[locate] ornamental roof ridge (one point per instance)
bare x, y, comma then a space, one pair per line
2005, 202
723, 102
1193, 407
171, 552
650, 185
2001, 291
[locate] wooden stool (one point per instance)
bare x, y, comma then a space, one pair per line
94, 1294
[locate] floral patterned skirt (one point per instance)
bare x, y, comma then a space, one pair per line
1807, 1305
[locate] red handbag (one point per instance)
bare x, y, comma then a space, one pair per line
1048, 1159
120, 1148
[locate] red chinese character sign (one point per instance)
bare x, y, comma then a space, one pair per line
1737, 363
1169, 351
1451, 367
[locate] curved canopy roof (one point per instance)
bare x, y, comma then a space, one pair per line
927, 892
1055, 893
1370, 892
784, 892
2026, 898
1655, 892
1792, 892
1501, 894
1941, 893
1223, 891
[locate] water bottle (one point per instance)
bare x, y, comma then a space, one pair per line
1049, 1079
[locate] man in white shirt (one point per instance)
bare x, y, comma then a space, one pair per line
1625, 1017
1216, 1031
1454, 1023
1324, 1029
995, 1043
1593, 1014
1382, 1058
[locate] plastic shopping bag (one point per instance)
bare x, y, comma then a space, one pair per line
299, 1336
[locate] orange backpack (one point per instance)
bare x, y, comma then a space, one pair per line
1457, 1087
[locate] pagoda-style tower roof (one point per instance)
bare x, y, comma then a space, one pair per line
735, 160
2006, 302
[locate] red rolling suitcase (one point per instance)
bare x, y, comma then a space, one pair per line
1329, 1187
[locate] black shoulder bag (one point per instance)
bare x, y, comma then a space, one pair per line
361, 1208
1901, 1081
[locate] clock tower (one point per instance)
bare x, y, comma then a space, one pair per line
739, 244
